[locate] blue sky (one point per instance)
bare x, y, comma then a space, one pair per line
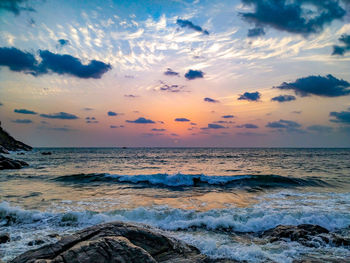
280, 68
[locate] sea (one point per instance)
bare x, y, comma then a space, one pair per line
216, 199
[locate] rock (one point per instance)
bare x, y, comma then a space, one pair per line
115, 242
3, 150
36, 242
4, 238
7, 163
11, 144
306, 234
46, 153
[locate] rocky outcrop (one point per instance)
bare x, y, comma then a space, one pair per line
7, 163
306, 234
115, 242
4, 238
8, 143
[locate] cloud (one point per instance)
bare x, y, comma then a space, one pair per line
67, 64
214, 126
158, 130
340, 117
250, 96
63, 42
283, 98
227, 122
24, 111
297, 111
88, 109
170, 72
181, 120
248, 126
193, 124
227, 116
60, 115
256, 32
290, 126
130, 96
91, 120
328, 86
294, 16
190, 25
141, 120
1, 104
116, 126
19, 61
23, 121
194, 74
211, 100
170, 88
320, 128
15, 6
112, 113
341, 50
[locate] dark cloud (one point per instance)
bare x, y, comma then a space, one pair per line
66, 64
141, 120
20, 61
227, 116
158, 130
130, 96
250, 134
256, 32
170, 88
1, 104
193, 124
181, 120
341, 50
174, 134
112, 113
63, 42
211, 100
23, 121
297, 112
170, 72
91, 120
129, 76
60, 115
250, 96
290, 126
88, 109
320, 128
17, 60
224, 122
24, 111
340, 117
116, 126
189, 24
294, 16
194, 74
328, 86
214, 126
283, 98
15, 6
248, 126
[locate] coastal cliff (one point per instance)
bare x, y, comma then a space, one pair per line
8, 143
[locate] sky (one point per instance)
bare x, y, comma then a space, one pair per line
176, 73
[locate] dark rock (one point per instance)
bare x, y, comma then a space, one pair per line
3, 150
7, 163
53, 235
4, 238
115, 242
10, 143
46, 153
306, 234
36, 242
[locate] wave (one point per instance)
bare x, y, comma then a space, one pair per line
194, 180
210, 231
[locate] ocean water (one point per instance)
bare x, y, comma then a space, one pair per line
212, 198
